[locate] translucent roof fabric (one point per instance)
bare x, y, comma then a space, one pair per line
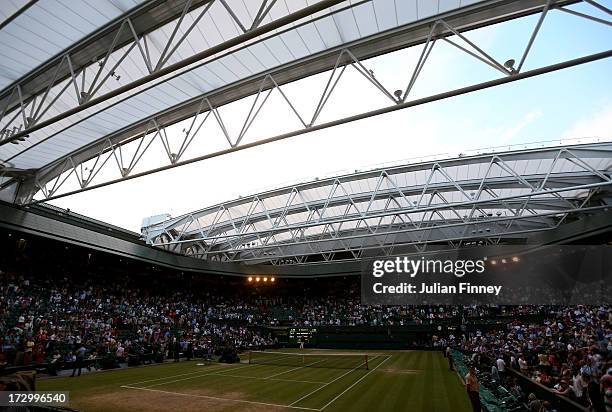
300, 40
8, 8
47, 28
533, 187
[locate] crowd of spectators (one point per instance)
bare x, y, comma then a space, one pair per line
340, 305
569, 352
47, 319
51, 315
40, 316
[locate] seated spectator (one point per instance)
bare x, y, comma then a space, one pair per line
533, 403
606, 390
562, 388
547, 407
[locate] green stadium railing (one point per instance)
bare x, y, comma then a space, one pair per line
493, 398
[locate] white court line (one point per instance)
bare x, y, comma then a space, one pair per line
271, 379
217, 368
355, 383
314, 350
282, 357
329, 383
174, 376
310, 352
294, 369
194, 377
220, 399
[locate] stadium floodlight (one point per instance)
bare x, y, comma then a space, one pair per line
250, 278
265, 279
494, 262
257, 279
503, 260
272, 279
515, 258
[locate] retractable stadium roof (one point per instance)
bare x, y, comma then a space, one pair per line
35, 32
486, 198
80, 79
116, 51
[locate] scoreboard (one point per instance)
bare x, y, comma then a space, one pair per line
306, 335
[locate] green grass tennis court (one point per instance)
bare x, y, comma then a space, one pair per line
393, 381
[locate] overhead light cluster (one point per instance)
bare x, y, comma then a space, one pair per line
514, 259
261, 279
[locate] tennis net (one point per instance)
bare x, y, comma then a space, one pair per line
313, 360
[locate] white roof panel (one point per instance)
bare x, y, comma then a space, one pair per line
53, 26
338, 206
47, 28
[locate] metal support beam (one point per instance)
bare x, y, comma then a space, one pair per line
165, 71
500, 205
394, 107
439, 29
